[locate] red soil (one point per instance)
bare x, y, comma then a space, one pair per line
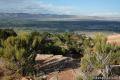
63, 75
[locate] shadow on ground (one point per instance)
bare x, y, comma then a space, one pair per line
53, 64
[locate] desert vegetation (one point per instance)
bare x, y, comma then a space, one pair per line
96, 58
18, 52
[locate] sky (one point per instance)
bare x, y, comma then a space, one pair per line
71, 7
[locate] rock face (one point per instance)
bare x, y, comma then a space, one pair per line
58, 67
27, 78
24, 78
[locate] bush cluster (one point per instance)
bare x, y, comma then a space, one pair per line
21, 48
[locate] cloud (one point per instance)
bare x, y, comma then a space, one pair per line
33, 6
11, 0
106, 14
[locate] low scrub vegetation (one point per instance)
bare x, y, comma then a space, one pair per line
96, 58
18, 51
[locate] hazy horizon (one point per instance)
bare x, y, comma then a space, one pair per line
67, 7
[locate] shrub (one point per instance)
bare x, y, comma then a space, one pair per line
17, 49
5, 33
79, 78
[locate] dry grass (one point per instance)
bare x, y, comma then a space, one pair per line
7, 71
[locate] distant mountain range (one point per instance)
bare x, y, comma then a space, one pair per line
54, 17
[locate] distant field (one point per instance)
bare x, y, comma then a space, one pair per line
61, 26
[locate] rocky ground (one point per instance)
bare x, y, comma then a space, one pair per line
58, 67
64, 68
